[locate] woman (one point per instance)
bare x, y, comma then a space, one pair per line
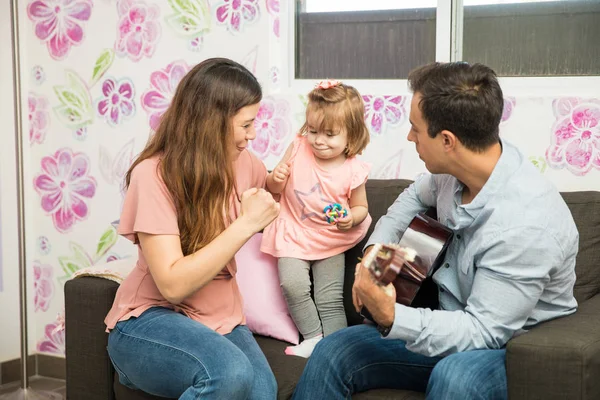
194, 198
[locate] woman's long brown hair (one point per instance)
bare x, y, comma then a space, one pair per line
194, 142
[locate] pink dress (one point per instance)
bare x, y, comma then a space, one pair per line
148, 208
301, 231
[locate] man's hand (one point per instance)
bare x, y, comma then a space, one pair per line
380, 301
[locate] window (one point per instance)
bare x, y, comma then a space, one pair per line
363, 39
551, 38
385, 39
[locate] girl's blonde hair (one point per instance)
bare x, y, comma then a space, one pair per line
339, 107
194, 140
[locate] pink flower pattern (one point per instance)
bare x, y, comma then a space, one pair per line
43, 287
65, 187
38, 75
274, 75
272, 126
117, 104
138, 29
273, 10
236, 13
39, 118
162, 88
575, 135
59, 23
53, 340
113, 257
44, 246
384, 111
509, 106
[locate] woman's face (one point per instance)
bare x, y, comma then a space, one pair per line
243, 129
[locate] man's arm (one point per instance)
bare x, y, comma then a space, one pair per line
510, 277
416, 198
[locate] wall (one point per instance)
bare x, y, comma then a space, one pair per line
94, 90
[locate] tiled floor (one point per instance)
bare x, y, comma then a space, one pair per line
37, 383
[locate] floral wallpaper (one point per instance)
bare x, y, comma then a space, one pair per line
101, 73
575, 140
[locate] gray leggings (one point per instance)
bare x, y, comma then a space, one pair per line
328, 276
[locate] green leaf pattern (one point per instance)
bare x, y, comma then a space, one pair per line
102, 65
107, 240
75, 109
539, 163
301, 115
79, 257
190, 18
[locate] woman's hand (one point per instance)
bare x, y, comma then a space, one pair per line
259, 208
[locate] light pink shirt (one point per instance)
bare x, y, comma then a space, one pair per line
149, 208
301, 230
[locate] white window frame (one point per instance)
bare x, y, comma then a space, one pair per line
449, 29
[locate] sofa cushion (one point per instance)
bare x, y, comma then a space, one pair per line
287, 369
559, 359
387, 394
585, 208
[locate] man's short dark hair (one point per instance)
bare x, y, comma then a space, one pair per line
461, 98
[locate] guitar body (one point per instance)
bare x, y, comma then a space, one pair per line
410, 264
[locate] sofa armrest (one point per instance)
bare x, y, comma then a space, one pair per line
89, 370
560, 359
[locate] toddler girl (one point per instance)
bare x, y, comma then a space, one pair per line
319, 169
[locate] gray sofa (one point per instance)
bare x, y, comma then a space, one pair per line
559, 359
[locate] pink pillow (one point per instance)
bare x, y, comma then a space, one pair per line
264, 306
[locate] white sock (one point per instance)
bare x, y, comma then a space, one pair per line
305, 348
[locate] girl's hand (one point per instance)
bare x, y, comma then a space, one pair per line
281, 172
259, 208
344, 224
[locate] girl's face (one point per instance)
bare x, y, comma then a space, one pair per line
243, 129
328, 144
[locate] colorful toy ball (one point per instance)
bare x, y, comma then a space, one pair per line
333, 212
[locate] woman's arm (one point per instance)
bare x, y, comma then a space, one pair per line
277, 178
178, 276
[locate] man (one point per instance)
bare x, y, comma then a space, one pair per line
510, 266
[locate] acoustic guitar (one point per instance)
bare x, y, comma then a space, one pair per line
408, 264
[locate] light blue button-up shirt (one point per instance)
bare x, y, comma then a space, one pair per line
510, 265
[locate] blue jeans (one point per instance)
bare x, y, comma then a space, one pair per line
357, 359
167, 354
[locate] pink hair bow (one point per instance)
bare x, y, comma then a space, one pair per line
327, 84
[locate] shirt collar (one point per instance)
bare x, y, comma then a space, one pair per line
506, 165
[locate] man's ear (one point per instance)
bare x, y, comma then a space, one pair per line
449, 140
